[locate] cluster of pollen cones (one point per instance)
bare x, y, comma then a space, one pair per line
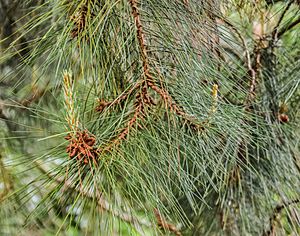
82, 147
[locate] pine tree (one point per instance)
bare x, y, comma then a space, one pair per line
151, 117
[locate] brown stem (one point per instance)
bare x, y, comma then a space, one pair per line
141, 38
161, 222
146, 67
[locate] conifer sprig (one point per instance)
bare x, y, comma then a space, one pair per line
70, 102
174, 117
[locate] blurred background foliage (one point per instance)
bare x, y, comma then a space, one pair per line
151, 117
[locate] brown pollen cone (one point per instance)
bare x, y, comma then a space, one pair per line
81, 147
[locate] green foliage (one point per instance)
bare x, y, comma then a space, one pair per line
149, 117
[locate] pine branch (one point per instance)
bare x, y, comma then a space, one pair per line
142, 97
146, 68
